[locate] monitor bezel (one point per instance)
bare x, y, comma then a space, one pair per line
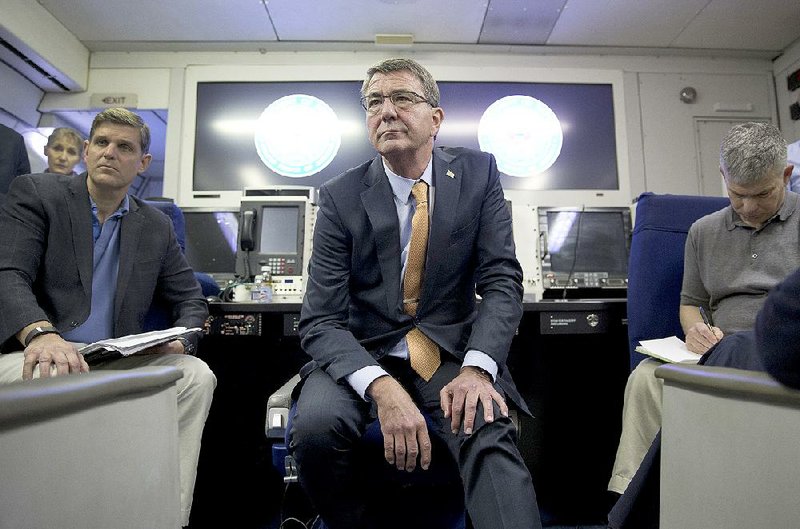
210, 209
256, 257
354, 72
616, 279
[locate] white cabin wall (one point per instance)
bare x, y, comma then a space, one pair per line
659, 128
786, 64
32, 30
19, 99
668, 124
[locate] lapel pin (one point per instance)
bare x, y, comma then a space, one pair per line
450, 174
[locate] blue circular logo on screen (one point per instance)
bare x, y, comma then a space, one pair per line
523, 133
297, 135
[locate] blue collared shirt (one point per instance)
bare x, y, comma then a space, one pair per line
105, 267
405, 206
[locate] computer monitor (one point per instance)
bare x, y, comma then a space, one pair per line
584, 247
211, 237
272, 235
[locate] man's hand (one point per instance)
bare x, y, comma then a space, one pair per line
405, 433
699, 338
460, 399
50, 350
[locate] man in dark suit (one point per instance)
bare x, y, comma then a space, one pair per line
13, 158
392, 325
777, 332
81, 261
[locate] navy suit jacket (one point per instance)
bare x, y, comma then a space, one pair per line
46, 249
352, 313
13, 158
777, 331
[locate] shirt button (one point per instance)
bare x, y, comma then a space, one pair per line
755, 255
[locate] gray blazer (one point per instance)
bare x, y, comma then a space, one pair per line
352, 313
46, 249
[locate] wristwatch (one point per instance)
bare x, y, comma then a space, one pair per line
188, 345
38, 331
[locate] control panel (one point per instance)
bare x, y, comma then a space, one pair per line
573, 322
232, 324
281, 266
584, 280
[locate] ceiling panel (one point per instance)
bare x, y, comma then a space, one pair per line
520, 21
765, 26
744, 25
639, 23
159, 20
442, 21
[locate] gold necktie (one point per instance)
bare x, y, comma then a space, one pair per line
422, 351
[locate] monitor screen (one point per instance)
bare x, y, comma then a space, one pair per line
585, 247
271, 235
545, 136
279, 225
211, 240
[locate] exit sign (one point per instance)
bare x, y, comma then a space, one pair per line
114, 100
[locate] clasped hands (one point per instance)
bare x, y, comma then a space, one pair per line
405, 433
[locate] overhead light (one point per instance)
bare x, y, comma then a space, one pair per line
394, 39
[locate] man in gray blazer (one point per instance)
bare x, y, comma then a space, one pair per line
360, 325
81, 261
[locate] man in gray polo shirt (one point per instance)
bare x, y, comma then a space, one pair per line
732, 259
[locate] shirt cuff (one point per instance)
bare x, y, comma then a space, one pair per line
479, 359
361, 379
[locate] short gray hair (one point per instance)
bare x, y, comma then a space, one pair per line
429, 87
123, 116
751, 152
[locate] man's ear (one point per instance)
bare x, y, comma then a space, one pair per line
787, 174
437, 118
145, 163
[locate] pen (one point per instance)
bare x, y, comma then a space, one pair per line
705, 319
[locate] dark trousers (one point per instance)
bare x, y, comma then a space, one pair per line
331, 418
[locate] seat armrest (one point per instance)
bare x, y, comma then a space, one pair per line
735, 383
278, 406
729, 451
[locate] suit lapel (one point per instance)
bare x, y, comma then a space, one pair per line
385, 227
80, 218
130, 231
447, 181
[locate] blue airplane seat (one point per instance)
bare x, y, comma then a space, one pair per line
655, 267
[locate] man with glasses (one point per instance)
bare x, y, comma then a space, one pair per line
402, 244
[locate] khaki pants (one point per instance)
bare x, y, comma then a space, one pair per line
641, 421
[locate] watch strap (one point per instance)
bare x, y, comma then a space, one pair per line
38, 331
188, 346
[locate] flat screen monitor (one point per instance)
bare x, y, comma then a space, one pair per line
211, 240
236, 147
271, 234
584, 247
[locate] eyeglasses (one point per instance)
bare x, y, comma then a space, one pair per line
373, 103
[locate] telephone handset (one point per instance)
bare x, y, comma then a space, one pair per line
247, 233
